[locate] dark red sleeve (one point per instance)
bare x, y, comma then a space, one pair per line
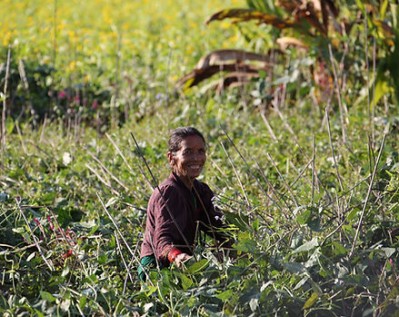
168, 216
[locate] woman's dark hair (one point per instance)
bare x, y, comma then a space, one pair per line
179, 134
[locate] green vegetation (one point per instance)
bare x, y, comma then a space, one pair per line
307, 177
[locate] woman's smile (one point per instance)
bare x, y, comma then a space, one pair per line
189, 160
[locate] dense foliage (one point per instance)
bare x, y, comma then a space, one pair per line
309, 186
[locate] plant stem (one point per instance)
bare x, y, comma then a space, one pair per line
342, 110
236, 173
368, 195
333, 153
118, 231
35, 240
4, 112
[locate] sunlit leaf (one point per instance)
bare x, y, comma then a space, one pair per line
311, 301
224, 296
186, 282
304, 216
254, 304
388, 251
198, 266
47, 296
381, 89
339, 249
310, 245
295, 267
246, 243
240, 15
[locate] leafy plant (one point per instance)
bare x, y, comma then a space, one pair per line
316, 29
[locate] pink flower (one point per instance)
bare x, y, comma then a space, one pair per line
62, 94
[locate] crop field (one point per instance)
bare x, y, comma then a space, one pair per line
303, 158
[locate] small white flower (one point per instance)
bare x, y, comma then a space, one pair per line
66, 158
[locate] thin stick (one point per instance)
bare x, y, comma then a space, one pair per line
366, 49
118, 244
118, 231
25, 85
127, 163
236, 173
343, 116
246, 163
109, 172
54, 32
367, 196
21, 139
301, 173
313, 168
35, 240
276, 193
4, 113
333, 154
268, 126
105, 182
283, 179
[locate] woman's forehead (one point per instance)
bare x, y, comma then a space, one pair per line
192, 141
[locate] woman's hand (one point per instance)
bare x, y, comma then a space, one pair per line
181, 258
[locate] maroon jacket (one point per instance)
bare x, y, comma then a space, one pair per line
175, 214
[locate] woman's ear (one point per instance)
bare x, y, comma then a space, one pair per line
171, 159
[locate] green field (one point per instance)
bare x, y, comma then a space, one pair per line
308, 177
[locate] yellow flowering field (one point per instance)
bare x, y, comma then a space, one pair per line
79, 35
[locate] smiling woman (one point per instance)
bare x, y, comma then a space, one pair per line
180, 206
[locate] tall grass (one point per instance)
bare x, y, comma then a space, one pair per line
310, 190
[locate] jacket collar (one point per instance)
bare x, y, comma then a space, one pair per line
175, 178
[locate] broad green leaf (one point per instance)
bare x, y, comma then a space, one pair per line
246, 243
38, 313
352, 214
383, 8
310, 245
186, 282
338, 249
388, 251
226, 295
151, 290
360, 4
295, 267
311, 301
47, 296
382, 88
198, 266
82, 302
10, 125
304, 217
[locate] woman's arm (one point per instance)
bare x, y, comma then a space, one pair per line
169, 223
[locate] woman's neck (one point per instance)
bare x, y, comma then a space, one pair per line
187, 181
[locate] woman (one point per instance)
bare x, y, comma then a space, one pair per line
180, 206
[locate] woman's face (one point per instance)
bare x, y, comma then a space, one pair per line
189, 160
